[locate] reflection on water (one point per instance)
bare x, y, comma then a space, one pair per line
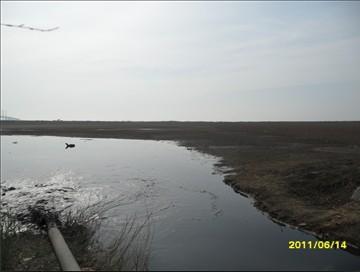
198, 221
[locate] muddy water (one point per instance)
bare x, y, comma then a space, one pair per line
198, 221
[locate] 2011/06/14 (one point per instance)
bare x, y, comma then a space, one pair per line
317, 245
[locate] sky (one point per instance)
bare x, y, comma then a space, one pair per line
184, 61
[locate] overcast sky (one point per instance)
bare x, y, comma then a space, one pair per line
229, 61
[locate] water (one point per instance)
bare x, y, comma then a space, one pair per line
199, 222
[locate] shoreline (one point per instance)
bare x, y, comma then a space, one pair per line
299, 173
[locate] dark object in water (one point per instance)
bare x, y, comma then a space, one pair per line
69, 145
15, 142
9, 189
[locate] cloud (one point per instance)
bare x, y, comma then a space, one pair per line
173, 56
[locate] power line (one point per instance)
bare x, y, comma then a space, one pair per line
31, 28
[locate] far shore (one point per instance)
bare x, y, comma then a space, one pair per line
300, 173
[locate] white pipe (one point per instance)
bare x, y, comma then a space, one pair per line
62, 251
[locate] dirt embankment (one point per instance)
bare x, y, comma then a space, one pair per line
302, 173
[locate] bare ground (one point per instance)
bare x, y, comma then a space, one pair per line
301, 173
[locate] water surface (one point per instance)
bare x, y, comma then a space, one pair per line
199, 222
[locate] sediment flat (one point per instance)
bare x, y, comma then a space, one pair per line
300, 173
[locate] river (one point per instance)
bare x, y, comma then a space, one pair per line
199, 222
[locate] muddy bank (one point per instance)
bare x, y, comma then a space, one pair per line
302, 173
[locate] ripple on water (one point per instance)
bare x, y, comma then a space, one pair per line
56, 192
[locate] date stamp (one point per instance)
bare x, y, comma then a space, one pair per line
317, 245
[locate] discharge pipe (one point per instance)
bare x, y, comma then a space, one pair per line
62, 251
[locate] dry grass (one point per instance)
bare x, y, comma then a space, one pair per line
128, 248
